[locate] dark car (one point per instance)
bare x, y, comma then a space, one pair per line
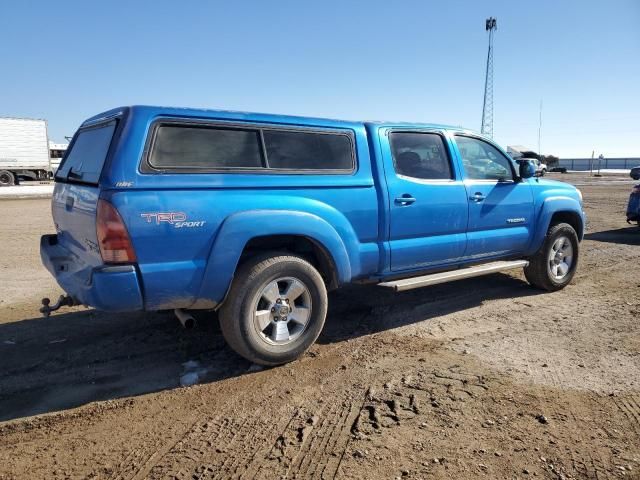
635, 173
633, 208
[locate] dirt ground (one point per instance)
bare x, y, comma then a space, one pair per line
482, 378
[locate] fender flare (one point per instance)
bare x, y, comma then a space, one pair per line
239, 228
549, 207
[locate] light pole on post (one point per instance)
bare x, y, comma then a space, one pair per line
600, 158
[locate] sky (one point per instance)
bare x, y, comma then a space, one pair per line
408, 60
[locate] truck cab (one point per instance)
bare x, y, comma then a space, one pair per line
258, 216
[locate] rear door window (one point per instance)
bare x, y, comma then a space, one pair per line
296, 150
195, 147
420, 155
87, 155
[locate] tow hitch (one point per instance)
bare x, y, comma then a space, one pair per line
63, 301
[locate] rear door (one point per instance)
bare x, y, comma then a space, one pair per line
76, 192
500, 205
427, 200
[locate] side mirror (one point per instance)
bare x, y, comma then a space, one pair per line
527, 168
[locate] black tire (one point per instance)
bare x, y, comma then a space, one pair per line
7, 178
237, 313
543, 172
539, 271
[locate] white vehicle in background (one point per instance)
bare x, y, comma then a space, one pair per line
541, 168
24, 150
518, 152
56, 152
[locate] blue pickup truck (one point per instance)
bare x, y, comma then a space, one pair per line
258, 216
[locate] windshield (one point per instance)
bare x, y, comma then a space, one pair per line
88, 152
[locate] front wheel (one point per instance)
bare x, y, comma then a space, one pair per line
554, 265
275, 309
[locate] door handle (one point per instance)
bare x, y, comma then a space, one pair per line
405, 199
477, 197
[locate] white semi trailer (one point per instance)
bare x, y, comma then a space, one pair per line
24, 150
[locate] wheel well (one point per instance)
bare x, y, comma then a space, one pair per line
572, 218
309, 249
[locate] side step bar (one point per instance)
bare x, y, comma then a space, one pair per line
443, 277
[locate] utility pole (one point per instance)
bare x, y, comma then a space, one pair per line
539, 131
487, 106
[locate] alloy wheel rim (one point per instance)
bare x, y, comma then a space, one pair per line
560, 258
282, 310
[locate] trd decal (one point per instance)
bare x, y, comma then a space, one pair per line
177, 219
516, 220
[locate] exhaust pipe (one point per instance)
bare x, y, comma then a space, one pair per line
186, 319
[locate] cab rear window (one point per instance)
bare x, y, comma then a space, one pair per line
87, 154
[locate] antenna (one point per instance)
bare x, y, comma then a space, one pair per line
487, 106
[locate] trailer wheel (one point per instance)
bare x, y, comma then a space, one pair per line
7, 178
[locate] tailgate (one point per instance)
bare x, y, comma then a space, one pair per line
74, 215
75, 196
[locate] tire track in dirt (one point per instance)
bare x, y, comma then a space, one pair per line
298, 444
213, 447
254, 445
320, 457
312, 444
138, 463
588, 464
587, 459
630, 407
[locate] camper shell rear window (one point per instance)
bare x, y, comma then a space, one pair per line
210, 148
86, 155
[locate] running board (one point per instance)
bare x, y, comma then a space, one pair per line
443, 277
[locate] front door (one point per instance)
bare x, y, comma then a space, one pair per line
427, 200
500, 204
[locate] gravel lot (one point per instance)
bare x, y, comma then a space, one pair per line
480, 378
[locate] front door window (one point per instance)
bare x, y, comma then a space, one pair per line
483, 161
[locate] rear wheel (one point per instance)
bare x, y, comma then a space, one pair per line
7, 178
554, 265
275, 309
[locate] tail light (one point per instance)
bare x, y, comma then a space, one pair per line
113, 238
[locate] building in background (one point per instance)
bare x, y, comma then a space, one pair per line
618, 164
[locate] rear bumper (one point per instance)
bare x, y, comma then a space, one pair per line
112, 288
